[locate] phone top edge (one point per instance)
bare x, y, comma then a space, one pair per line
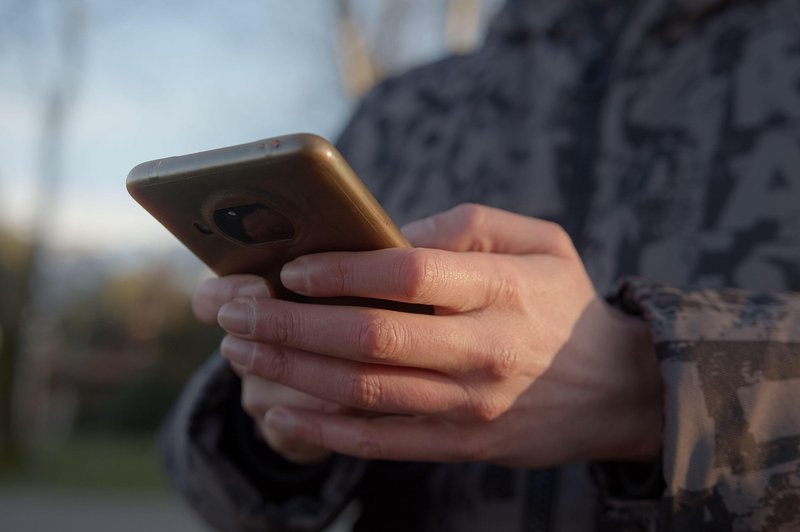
176, 168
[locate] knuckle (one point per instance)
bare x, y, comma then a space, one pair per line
365, 391
470, 218
470, 215
379, 338
506, 292
418, 274
336, 278
560, 237
485, 409
503, 362
280, 327
342, 277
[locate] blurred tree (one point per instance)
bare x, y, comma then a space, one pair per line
358, 68
14, 273
131, 342
463, 24
364, 63
21, 320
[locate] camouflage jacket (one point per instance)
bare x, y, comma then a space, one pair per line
665, 137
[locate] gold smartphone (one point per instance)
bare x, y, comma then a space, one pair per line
252, 208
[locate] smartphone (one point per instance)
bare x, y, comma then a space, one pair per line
254, 207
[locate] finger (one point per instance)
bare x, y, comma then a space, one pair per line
411, 438
259, 395
370, 387
291, 449
216, 291
446, 344
470, 227
456, 281
240, 370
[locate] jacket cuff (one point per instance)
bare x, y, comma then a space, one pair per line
730, 361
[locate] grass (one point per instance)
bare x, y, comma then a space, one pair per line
94, 462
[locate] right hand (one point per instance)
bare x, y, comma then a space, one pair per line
260, 396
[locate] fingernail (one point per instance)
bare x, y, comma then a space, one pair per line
280, 419
236, 317
239, 352
254, 289
293, 275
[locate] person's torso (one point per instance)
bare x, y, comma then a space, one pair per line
665, 139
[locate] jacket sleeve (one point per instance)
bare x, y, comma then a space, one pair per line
234, 481
730, 361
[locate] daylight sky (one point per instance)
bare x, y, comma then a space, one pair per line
155, 79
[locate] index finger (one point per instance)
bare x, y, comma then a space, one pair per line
212, 293
451, 280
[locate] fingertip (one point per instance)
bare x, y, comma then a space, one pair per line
293, 275
240, 285
213, 293
254, 286
202, 301
237, 351
280, 419
282, 435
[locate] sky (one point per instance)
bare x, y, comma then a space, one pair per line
153, 79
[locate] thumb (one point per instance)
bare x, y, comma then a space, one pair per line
290, 449
471, 227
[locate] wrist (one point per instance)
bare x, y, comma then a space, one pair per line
637, 391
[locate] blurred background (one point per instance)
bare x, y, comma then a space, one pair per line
96, 334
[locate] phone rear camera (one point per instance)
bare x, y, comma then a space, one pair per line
254, 224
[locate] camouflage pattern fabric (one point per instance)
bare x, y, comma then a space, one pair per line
731, 361
665, 137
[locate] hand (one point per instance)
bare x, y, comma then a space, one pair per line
523, 364
260, 396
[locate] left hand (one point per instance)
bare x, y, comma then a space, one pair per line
523, 363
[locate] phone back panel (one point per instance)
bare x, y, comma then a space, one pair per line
300, 179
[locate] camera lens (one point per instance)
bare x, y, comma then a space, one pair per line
254, 224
